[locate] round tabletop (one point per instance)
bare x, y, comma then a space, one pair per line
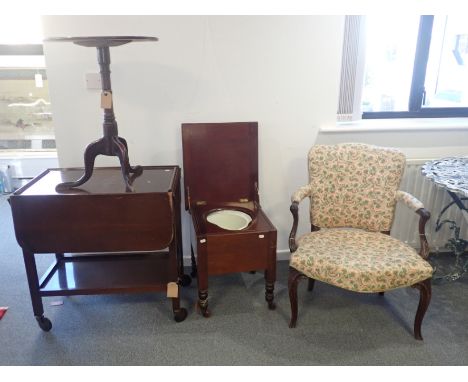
101, 41
450, 173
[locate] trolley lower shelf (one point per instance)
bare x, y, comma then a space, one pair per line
106, 274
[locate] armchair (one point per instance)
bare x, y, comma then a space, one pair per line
353, 191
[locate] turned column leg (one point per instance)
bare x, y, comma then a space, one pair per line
269, 288
424, 300
293, 280
202, 277
270, 272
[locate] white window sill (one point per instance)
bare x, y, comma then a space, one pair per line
398, 124
24, 154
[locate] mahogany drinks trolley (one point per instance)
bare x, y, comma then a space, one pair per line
125, 232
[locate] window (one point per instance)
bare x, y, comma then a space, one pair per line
25, 115
412, 66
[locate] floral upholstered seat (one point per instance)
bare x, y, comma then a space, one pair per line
360, 261
353, 191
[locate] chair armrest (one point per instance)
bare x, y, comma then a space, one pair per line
301, 193
409, 200
292, 236
424, 215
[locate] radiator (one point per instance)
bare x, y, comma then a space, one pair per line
405, 225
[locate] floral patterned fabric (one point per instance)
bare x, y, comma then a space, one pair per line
301, 193
354, 185
359, 260
409, 200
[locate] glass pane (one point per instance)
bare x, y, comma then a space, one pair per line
390, 51
447, 71
25, 113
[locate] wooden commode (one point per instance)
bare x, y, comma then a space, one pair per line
230, 232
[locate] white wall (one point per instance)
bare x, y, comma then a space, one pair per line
429, 138
282, 71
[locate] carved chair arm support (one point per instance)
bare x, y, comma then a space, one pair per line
296, 198
292, 236
424, 215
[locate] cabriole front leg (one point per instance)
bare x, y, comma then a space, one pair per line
424, 300
92, 151
137, 170
293, 280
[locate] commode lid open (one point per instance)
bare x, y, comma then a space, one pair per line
231, 220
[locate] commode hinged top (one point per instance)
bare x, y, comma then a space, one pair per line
216, 172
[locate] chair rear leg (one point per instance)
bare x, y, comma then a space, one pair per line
293, 280
424, 300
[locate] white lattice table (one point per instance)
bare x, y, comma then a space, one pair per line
452, 175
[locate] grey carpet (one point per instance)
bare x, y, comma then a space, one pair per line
335, 327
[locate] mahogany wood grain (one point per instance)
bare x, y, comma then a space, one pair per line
101, 217
110, 144
220, 161
221, 172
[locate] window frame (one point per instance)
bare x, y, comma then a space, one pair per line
25, 73
417, 92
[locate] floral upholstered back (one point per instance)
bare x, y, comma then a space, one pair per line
354, 185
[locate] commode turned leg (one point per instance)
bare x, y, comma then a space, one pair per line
202, 278
270, 272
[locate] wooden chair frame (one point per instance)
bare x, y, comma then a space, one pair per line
424, 286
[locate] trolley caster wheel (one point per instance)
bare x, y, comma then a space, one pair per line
44, 323
271, 306
180, 315
185, 280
